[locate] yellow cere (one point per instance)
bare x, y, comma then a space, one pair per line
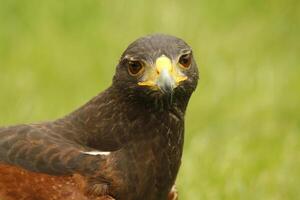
163, 62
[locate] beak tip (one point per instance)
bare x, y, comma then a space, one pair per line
167, 89
165, 82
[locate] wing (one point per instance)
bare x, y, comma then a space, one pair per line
39, 150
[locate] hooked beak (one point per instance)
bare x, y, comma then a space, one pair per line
164, 77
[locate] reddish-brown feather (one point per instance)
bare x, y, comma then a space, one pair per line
19, 184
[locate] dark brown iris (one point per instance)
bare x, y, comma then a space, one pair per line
185, 60
135, 67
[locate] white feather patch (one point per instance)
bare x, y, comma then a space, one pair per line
96, 153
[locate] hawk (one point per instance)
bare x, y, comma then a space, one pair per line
126, 143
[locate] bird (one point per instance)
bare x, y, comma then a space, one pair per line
126, 143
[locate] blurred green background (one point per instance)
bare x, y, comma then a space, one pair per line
243, 122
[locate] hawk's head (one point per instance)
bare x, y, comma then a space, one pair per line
157, 68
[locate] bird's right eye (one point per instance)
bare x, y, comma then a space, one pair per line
135, 68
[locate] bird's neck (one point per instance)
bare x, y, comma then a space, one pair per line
114, 119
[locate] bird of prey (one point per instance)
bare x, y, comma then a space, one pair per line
124, 144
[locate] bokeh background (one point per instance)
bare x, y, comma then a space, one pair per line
243, 122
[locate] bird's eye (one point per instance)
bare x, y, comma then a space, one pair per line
185, 60
135, 68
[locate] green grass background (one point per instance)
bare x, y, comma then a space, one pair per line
243, 122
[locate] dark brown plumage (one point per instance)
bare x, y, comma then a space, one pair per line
126, 143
